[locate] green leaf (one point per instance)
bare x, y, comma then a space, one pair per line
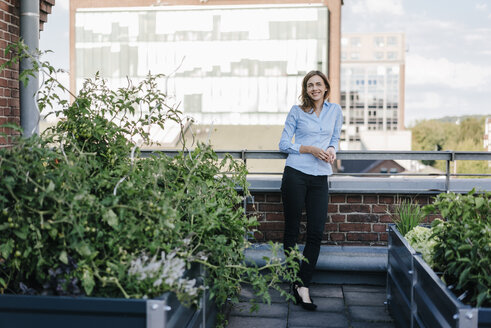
22, 234
481, 297
3, 283
111, 218
53, 232
12, 126
464, 247
64, 257
51, 187
88, 282
480, 202
7, 248
463, 277
84, 250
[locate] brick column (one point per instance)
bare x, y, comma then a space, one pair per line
9, 78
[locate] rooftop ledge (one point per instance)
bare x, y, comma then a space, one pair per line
389, 185
337, 264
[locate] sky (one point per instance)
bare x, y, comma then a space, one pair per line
448, 50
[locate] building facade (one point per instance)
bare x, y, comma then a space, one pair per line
227, 62
372, 84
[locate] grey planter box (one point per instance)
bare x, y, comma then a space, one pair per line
416, 297
19, 311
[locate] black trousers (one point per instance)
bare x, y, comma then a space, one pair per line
299, 191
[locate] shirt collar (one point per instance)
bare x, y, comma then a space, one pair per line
326, 104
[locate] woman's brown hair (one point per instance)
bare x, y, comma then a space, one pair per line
306, 103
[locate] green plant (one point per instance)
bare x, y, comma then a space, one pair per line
407, 215
82, 214
463, 252
422, 240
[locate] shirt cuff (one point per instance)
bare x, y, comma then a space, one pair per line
335, 149
296, 147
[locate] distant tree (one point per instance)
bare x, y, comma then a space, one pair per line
472, 128
444, 135
430, 135
467, 144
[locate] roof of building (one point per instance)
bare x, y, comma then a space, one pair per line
370, 166
44, 10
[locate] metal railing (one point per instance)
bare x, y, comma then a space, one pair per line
448, 156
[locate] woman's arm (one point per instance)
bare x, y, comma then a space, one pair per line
334, 143
286, 144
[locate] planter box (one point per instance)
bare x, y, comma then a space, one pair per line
19, 311
416, 297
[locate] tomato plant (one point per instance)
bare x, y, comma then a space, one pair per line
82, 214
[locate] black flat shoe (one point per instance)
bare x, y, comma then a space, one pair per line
298, 300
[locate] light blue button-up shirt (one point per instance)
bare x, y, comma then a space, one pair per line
309, 130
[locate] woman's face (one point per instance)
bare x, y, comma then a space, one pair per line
316, 88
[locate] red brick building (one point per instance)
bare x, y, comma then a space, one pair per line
9, 78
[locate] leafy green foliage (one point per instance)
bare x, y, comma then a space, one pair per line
79, 209
422, 240
463, 251
407, 215
466, 135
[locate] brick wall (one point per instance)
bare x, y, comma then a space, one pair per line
354, 219
9, 78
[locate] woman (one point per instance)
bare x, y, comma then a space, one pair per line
316, 125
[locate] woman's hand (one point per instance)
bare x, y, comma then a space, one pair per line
332, 154
320, 153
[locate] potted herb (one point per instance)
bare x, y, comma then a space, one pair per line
460, 297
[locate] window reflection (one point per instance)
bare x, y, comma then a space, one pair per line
228, 59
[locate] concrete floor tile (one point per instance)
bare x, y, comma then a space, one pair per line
362, 298
317, 319
369, 313
247, 293
275, 310
364, 288
326, 291
331, 304
249, 322
341, 306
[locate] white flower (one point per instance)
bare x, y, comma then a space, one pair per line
169, 269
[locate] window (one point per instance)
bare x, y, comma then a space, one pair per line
193, 103
379, 41
392, 41
355, 55
392, 55
379, 55
355, 42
